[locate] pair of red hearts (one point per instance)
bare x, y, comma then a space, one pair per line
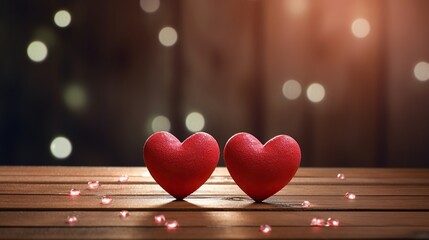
259, 170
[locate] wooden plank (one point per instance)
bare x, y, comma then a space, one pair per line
210, 218
219, 171
215, 203
213, 180
127, 189
251, 232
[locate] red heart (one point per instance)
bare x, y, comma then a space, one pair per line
181, 168
261, 170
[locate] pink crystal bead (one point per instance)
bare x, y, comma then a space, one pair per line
93, 185
106, 200
306, 204
71, 219
172, 224
124, 214
159, 219
350, 196
265, 228
341, 176
317, 222
332, 222
123, 178
74, 192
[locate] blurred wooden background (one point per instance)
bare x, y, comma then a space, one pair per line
229, 63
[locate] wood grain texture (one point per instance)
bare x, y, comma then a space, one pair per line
34, 204
212, 218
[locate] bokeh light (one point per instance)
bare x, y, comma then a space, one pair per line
315, 92
167, 36
161, 123
361, 28
421, 71
75, 97
37, 51
62, 18
61, 147
297, 7
150, 6
291, 89
195, 122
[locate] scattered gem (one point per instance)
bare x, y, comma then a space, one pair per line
71, 219
123, 178
350, 196
106, 200
159, 219
332, 222
124, 214
172, 224
74, 192
306, 204
317, 222
341, 176
265, 228
93, 185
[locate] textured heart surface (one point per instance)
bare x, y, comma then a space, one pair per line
261, 170
181, 168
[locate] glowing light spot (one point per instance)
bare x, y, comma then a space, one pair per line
291, 89
341, 176
123, 178
124, 214
421, 71
93, 185
306, 204
315, 92
75, 97
71, 220
106, 200
332, 222
195, 122
167, 36
74, 192
297, 7
150, 6
146, 174
161, 123
361, 28
37, 51
350, 196
172, 224
61, 147
62, 18
265, 228
317, 222
159, 219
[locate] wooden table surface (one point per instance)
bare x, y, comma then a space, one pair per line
35, 202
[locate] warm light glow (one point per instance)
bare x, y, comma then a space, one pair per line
75, 97
161, 123
149, 6
37, 51
297, 7
291, 89
360, 28
172, 224
167, 36
315, 92
61, 147
265, 228
421, 71
62, 18
159, 219
195, 122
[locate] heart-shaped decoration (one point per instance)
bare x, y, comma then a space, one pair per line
261, 170
181, 168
